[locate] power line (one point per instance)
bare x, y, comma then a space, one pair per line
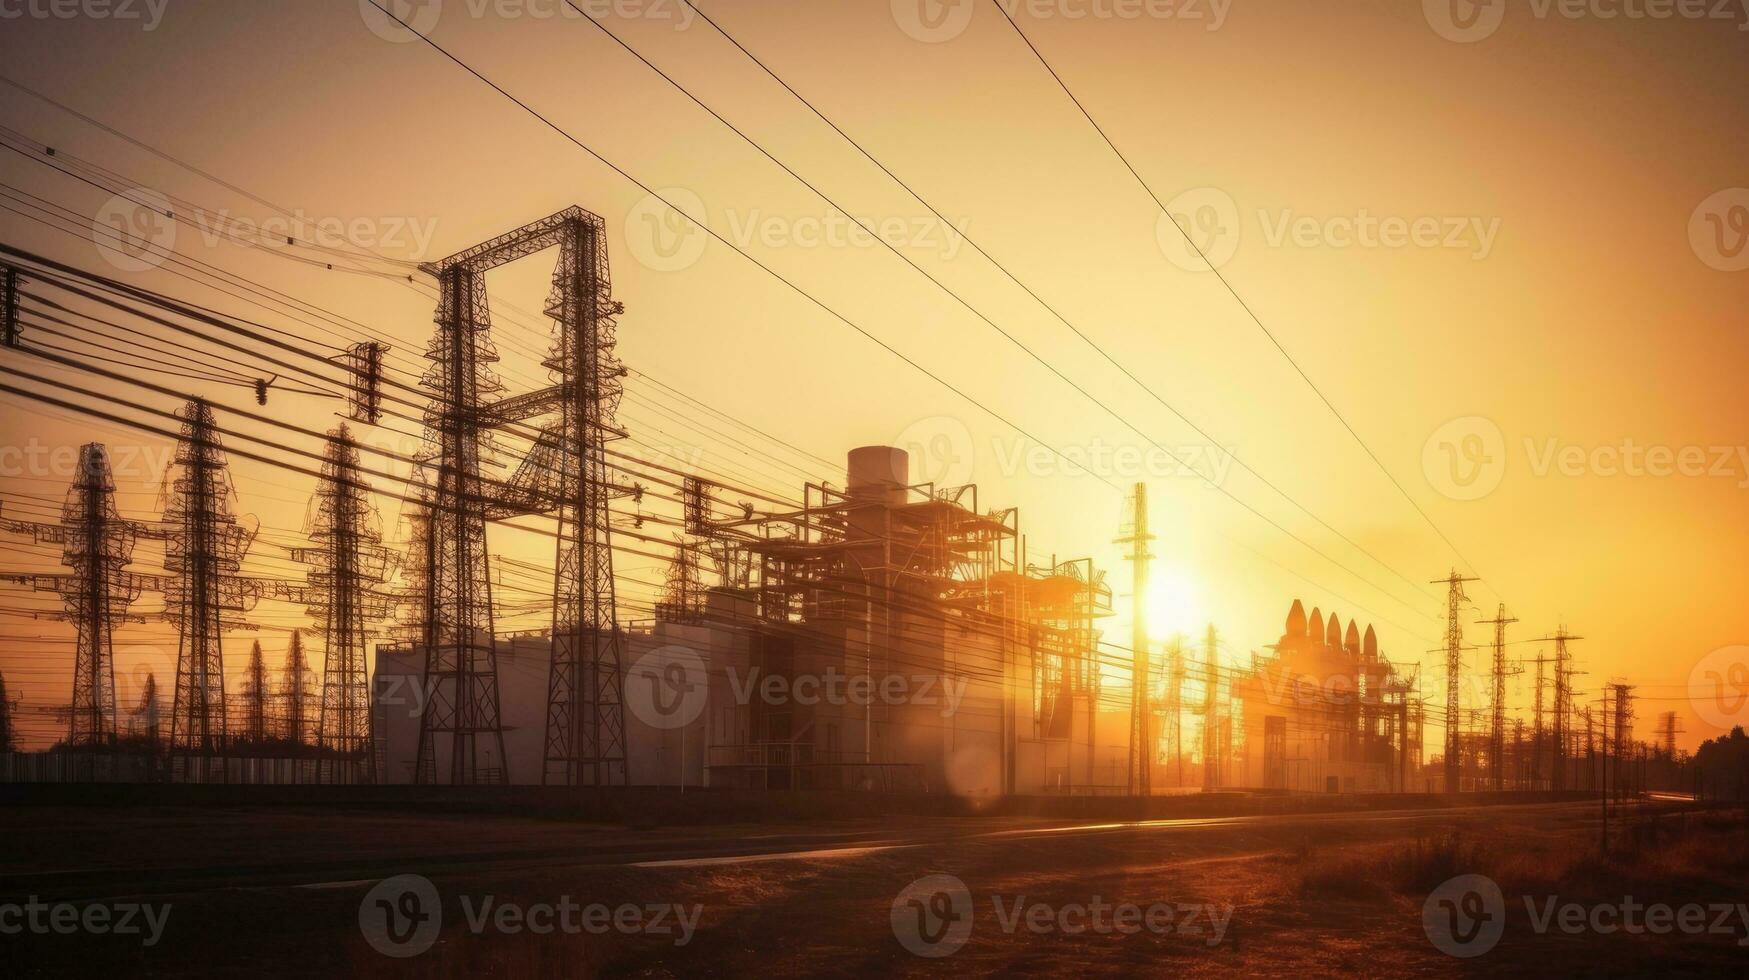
1229, 286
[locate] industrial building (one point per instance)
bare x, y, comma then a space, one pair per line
1325, 712
889, 635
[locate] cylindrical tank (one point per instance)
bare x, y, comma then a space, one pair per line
879, 472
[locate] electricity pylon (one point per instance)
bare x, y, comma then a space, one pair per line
1454, 651
1497, 726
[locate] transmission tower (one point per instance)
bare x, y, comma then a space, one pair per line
255, 694
364, 396
1497, 726
1563, 703
1454, 650
1624, 719
146, 722
345, 596
1667, 732
203, 551
564, 473
297, 696
96, 545
682, 593
1141, 755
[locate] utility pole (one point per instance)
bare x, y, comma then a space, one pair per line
1497, 728
1454, 646
1175, 702
1210, 776
1603, 795
1141, 757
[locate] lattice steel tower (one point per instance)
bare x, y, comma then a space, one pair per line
345, 597
1497, 719
565, 473
1454, 662
96, 545
204, 549
585, 737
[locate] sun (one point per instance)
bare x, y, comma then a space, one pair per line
1174, 602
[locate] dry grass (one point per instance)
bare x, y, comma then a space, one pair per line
1698, 855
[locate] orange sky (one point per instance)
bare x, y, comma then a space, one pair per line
1571, 308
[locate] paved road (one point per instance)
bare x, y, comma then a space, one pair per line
707, 847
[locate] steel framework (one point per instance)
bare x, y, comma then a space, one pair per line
1497, 717
565, 472
96, 545
204, 550
345, 598
1454, 662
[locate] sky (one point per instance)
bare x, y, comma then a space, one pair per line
1504, 243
